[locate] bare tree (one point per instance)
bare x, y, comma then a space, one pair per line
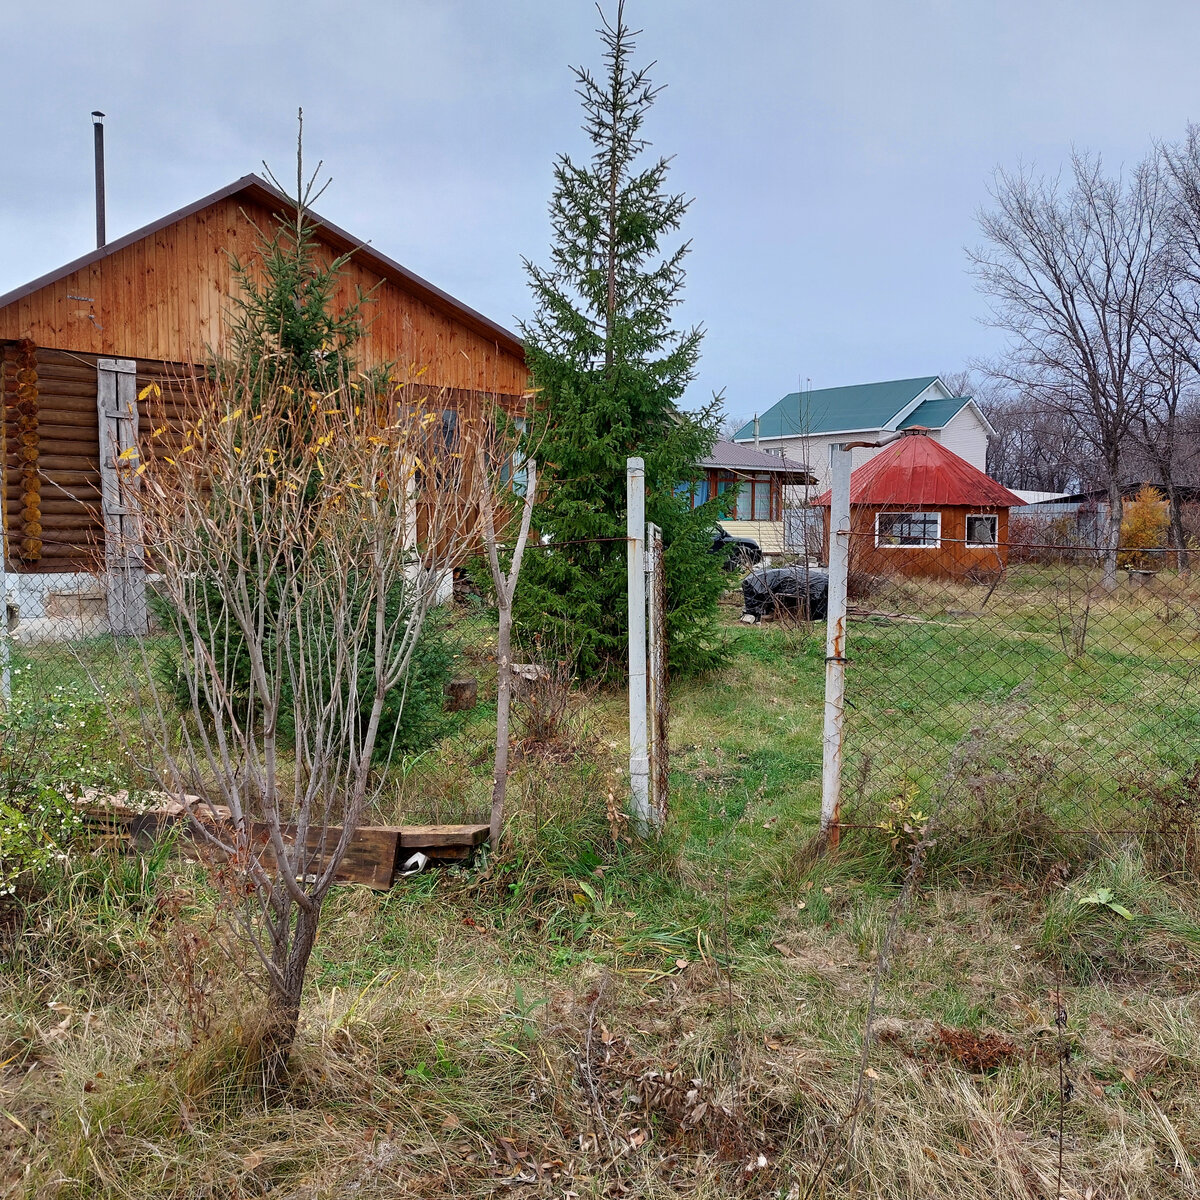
1174, 336
1170, 384
1035, 446
310, 532
1073, 274
730, 426
505, 583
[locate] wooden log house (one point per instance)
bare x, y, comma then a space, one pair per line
86, 339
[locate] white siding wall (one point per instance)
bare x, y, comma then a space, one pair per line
814, 451
966, 435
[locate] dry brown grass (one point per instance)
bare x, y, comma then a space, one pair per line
440, 1077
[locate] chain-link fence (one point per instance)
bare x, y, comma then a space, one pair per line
1002, 686
57, 632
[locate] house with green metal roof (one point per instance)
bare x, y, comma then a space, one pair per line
803, 425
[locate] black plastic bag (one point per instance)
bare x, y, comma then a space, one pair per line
798, 591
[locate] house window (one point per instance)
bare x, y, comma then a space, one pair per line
761, 502
739, 507
982, 529
753, 501
696, 492
908, 529
515, 472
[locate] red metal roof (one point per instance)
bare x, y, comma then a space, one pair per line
916, 471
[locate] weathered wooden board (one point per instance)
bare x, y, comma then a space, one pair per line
375, 853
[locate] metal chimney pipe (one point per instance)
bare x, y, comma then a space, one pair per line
98, 131
756, 431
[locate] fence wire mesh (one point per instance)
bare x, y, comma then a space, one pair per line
57, 632
1020, 693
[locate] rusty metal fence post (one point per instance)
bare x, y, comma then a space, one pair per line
835, 645
657, 628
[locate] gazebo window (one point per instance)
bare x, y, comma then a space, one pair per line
982, 529
908, 529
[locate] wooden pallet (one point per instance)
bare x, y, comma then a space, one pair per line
374, 857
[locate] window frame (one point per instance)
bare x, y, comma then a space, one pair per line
936, 544
514, 474
745, 489
995, 520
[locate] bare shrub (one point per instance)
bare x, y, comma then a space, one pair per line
301, 538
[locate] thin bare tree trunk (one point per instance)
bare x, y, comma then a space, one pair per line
503, 705
506, 588
1114, 534
283, 1002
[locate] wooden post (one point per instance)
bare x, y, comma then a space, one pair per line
124, 554
657, 630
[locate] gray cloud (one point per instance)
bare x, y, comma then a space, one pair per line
837, 151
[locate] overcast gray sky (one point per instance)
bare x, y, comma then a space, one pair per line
837, 151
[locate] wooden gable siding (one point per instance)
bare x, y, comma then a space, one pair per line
163, 298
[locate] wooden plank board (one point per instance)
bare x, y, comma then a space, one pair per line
424, 837
375, 853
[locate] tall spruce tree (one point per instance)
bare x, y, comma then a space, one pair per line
609, 369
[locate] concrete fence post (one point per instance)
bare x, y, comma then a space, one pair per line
639, 756
835, 645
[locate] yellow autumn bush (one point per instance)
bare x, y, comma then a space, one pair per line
1143, 528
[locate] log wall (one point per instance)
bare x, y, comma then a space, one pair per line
69, 534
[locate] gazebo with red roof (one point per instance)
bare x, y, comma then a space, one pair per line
917, 508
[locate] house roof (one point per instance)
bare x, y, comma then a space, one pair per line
255, 188
860, 406
934, 414
915, 471
725, 456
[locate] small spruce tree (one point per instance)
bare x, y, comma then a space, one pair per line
284, 327
608, 370
284, 318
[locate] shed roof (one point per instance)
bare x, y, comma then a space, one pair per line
833, 410
916, 471
726, 456
255, 188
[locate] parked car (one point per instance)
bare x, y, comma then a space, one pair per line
738, 552
797, 591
